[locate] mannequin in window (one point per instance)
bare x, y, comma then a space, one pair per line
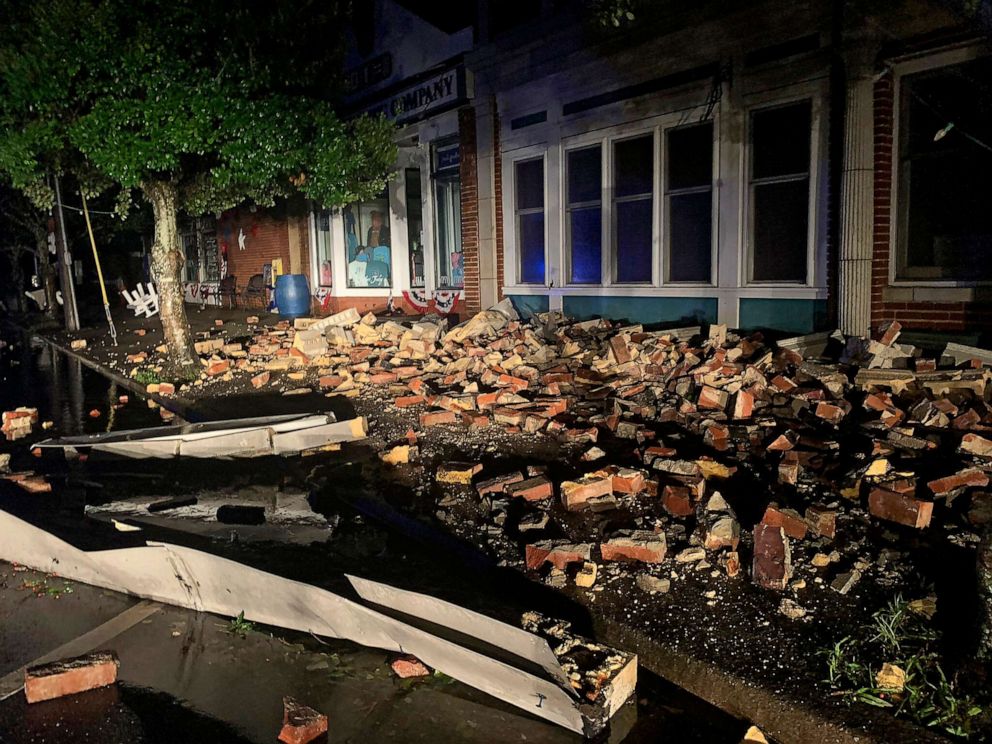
378, 233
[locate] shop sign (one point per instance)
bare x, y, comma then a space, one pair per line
437, 93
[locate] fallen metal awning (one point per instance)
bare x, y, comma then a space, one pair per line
233, 438
204, 582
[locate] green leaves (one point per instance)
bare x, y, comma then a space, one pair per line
122, 92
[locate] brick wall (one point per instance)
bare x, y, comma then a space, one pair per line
498, 194
470, 207
886, 304
266, 238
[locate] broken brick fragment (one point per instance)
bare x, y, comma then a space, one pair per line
559, 553
70, 676
628, 480
711, 398
218, 368
531, 489
772, 564
970, 477
407, 401
262, 378
498, 484
901, 508
458, 472
436, 418
642, 546
788, 519
301, 724
408, 666
821, 521
575, 494
677, 501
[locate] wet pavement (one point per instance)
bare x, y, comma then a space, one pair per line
184, 677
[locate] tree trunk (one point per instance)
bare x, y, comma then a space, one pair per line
167, 264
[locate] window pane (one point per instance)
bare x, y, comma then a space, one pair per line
415, 226
450, 269
781, 217
690, 237
530, 184
585, 237
367, 243
634, 163
945, 191
780, 140
532, 248
634, 241
322, 220
690, 157
584, 175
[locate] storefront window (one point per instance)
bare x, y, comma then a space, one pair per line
779, 192
415, 226
367, 243
529, 190
689, 203
199, 243
322, 222
448, 214
584, 222
633, 190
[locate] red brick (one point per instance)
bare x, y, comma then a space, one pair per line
301, 724
902, 508
260, 379
677, 501
408, 401
218, 368
641, 546
407, 667
531, 489
788, 519
575, 494
70, 676
964, 479
772, 564
435, 418
822, 521
556, 552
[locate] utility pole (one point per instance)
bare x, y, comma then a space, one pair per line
65, 265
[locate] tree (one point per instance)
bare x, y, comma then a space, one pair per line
24, 230
188, 103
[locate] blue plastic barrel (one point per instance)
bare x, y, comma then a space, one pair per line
292, 295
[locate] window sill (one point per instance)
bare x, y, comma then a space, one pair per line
930, 292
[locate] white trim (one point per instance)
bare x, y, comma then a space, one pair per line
909, 66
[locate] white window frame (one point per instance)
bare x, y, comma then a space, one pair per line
517, 212
816, 216
511, 236
657, 126
612, 245
923, 63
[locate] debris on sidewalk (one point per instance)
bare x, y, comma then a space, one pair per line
70, 676
407, 666
249, 437
583, 683
301, 724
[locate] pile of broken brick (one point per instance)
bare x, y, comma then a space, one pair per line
862, 425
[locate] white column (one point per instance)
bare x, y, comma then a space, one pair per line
857, 197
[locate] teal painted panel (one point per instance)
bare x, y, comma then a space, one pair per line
648, 310
528, 305
794, 316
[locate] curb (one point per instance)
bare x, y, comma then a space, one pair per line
786, 721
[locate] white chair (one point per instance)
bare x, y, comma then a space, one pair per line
142, 302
